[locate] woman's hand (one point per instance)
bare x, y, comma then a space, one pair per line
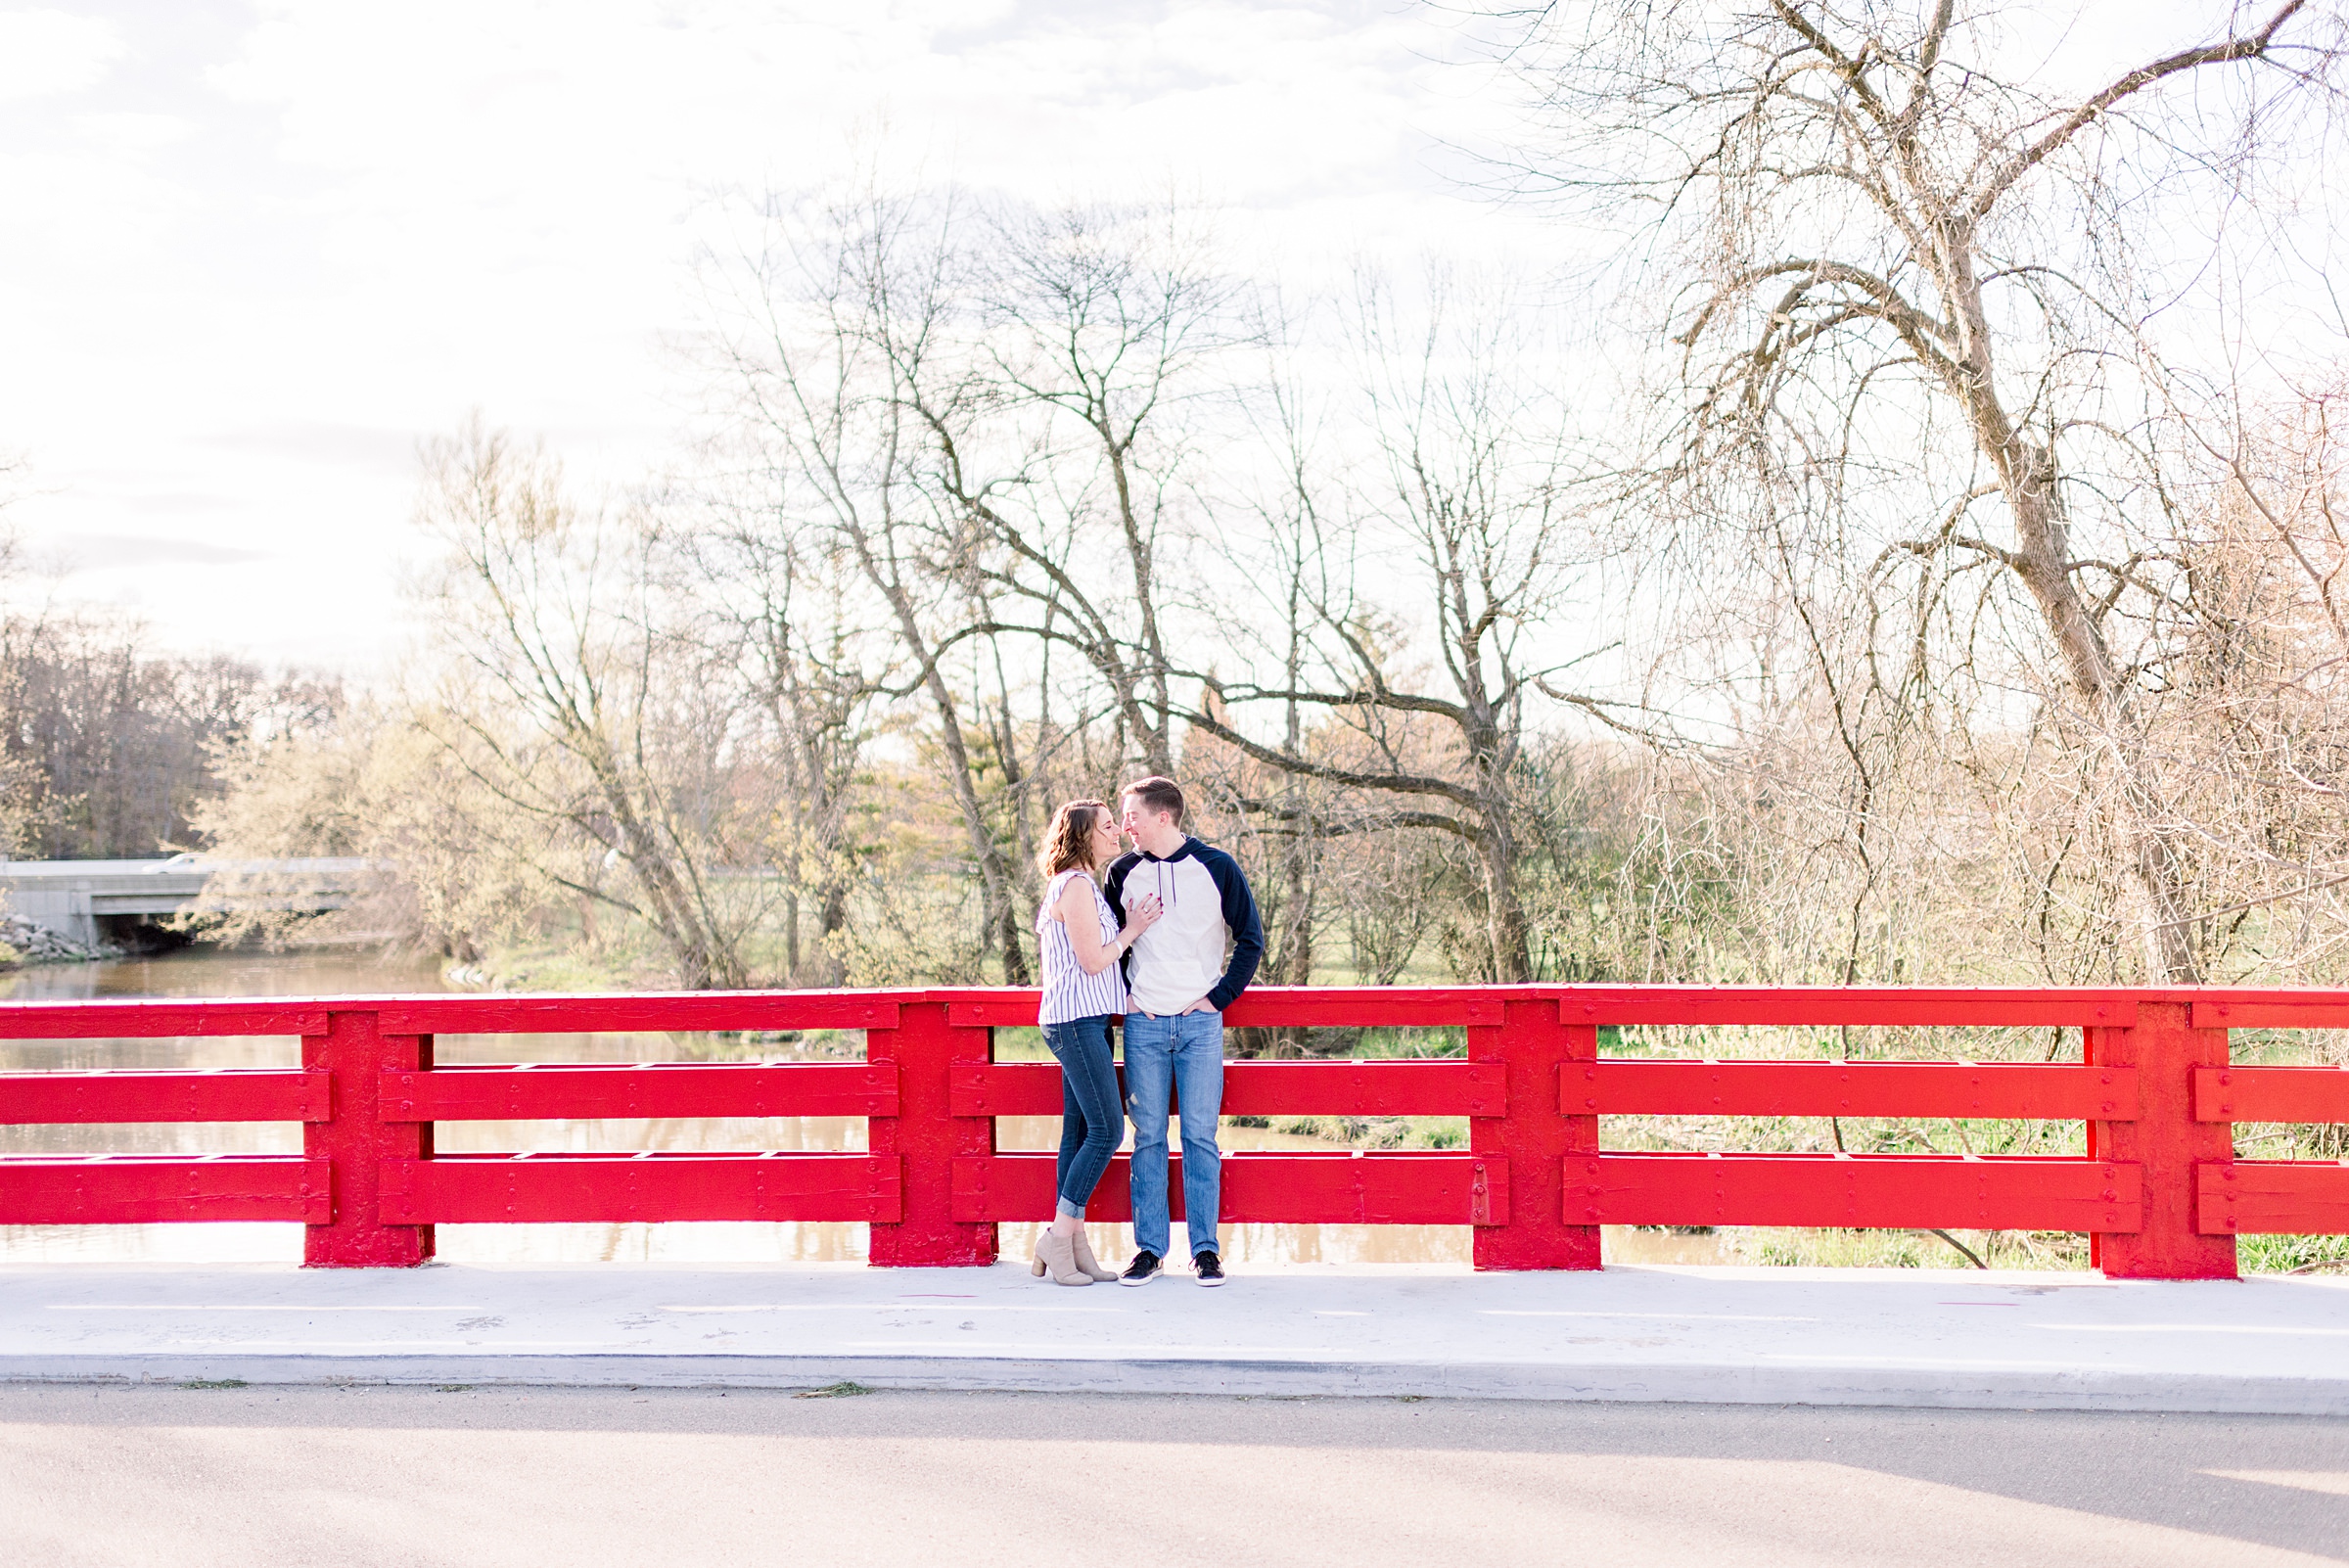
1079, 912
1140, 916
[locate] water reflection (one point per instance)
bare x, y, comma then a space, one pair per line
199, 972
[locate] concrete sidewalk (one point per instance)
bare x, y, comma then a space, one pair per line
1946, 1339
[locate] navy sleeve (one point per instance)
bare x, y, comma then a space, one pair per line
1113, 888
1114, 884
1247, 931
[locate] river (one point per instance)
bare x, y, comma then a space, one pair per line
209, 972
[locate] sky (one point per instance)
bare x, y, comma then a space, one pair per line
256, 254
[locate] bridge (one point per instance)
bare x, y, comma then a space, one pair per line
79, 898
2158, 1185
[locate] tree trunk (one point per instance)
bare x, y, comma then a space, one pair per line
790, 936
1157, 754
702, 963
1504, 915
993, 873
2028, 482
994, 879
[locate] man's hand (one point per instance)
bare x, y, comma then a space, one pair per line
1199, 1006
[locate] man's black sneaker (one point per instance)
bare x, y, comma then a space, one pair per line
1144, 1268
1209, 1267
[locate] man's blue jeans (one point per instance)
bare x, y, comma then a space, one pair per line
1184, 1051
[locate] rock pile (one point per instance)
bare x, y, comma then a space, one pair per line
39, 945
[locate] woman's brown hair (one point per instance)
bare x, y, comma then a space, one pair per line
1068, 841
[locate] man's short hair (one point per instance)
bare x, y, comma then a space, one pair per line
1156, 793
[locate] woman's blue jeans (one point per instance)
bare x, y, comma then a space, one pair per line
1092, 1118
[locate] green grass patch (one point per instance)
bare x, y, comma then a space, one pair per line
2292, 1254
1909, 1249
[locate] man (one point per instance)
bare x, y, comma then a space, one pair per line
1179, 982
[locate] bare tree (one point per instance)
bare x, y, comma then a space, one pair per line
1101, 322
450, 867
1470, 447
568, 695
2258, 717
836, 337
108, 743
1903, 282
774, 608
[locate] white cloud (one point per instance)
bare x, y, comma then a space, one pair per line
44, 54
263, 251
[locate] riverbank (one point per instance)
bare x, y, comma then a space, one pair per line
1942, 1339
25, 942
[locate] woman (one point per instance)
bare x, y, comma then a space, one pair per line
1083, 990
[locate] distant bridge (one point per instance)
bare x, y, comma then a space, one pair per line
74, 898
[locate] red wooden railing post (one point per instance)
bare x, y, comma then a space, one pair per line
356, 1142
1536, 1138
926, 1135
2166, 1142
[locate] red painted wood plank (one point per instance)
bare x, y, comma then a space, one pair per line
1897, 1191
1377, 1189
2030, 1090
1607, 1005
1335, 1005
137, 1189
1328, 1005
225, 1094
2271, 1094
1018, 1089
584, 1091
1831, 1004
1446, 1087
573, 1188
2273, 1197
159, 1020
1005, 1009
682, 1010
2284, 1010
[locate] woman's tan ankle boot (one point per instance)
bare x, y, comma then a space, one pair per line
1085, 1260
1059, 1256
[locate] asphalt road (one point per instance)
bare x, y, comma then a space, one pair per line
253, 1477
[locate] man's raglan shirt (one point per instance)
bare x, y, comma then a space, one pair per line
1207, 905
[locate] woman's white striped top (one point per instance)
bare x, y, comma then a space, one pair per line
1069, 992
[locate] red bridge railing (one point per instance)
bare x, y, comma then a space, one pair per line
2159, 1190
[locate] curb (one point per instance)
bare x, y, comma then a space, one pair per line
1921, 1388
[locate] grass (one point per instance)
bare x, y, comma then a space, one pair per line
834, 1391
215, 1382
1372, 1131
1911, 1249
2292, 1254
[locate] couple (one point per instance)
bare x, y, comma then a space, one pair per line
1162, 972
